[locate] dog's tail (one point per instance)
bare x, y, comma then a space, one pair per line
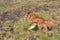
50, 22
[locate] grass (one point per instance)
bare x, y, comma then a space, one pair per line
17, 4
43, 15
20, 33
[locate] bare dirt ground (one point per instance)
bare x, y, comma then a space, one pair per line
8, 19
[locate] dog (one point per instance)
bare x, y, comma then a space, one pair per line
39, 21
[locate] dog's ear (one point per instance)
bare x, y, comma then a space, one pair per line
29, 12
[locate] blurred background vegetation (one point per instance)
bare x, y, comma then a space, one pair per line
13, 22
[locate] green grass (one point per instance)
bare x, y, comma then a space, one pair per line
43, 15
20, 24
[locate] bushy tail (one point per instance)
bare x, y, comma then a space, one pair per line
50, 22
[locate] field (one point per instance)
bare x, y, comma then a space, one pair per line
13, 22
